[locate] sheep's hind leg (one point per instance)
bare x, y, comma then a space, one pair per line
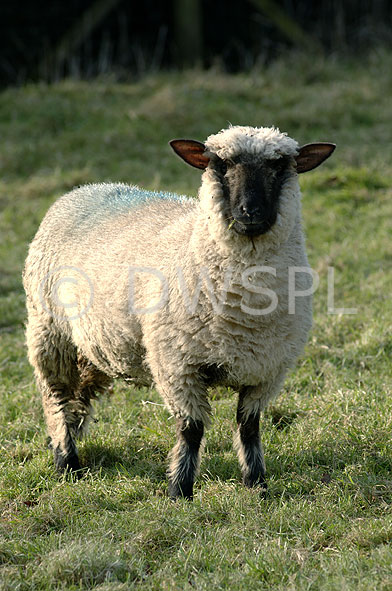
77, 413
185, 458
247, 441
55, 363
61, 430
61, 419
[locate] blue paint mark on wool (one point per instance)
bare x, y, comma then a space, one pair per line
93, 203
128, 196
120, 197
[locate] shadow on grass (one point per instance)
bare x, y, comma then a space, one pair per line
133, 459
282, 419
149, 461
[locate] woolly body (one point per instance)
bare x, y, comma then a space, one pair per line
107, 247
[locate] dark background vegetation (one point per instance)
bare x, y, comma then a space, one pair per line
50, 39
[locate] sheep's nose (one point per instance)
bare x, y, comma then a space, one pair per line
249, 212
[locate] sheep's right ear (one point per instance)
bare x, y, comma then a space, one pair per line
191, 151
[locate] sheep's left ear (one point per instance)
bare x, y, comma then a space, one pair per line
192, 152
312, 155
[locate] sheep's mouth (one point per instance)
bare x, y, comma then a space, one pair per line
252, 229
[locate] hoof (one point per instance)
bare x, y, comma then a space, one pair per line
66, 463
177, 492
263, 490
260, 484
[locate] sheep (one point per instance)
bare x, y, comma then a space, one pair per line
183, 294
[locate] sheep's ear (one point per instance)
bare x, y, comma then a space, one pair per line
191, 151
312, 155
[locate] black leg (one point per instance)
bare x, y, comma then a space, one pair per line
185, 458
66, 458
248, 445
69, 462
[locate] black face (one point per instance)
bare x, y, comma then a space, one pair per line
252, 191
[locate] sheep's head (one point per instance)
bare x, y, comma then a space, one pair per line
252, 165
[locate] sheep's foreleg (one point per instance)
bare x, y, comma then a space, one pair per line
247, 443
185, 458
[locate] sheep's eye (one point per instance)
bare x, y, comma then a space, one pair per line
276, 164
221, 167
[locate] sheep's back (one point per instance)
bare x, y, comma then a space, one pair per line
103, 214
87, 244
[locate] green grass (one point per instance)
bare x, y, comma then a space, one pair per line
327, 521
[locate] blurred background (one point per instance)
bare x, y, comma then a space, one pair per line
51, 39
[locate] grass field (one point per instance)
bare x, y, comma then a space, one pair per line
327, 521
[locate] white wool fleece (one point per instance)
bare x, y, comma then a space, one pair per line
263, 142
